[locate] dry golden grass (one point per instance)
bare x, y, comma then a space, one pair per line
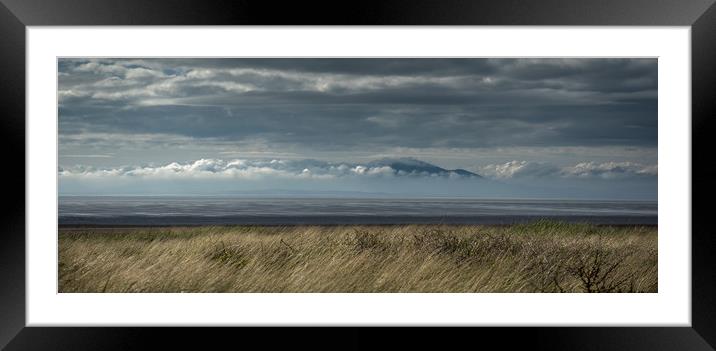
539, 257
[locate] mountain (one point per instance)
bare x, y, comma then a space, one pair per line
408, 166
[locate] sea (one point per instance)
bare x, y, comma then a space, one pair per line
227, 210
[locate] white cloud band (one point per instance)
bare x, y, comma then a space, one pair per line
314, 169
584, 170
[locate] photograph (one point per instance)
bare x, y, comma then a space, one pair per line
357, 174
485, 170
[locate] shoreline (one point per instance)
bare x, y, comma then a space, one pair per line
89, 227
338, 220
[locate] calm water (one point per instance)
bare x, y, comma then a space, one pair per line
171, 210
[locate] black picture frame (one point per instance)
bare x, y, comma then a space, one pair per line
700, 15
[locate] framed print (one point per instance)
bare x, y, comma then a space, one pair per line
461, 164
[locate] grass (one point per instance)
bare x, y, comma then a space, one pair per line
543, 256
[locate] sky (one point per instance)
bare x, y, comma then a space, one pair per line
547, 127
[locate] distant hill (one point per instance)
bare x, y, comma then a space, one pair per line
408, 166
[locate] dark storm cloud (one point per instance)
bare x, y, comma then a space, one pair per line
354, 104
373, 66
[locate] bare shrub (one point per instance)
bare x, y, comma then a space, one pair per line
598, 269
279, 257
364, 239
546, 271
445, 242
231, 255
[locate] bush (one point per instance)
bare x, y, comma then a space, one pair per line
230, 255
598, 269
368, 240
